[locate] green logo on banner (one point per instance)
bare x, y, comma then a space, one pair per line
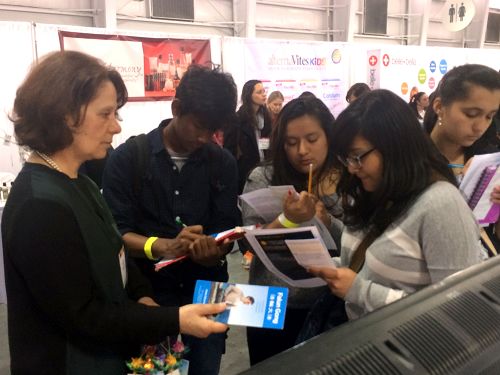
422, 76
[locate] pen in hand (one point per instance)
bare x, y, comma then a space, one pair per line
178, 221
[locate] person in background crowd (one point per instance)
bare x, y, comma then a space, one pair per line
419, 103
307, 95
187, 189
274, 104
301, 137
68, 280
355, 91
459, 119
249, 138
407, 225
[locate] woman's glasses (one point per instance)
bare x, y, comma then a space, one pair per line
354, 161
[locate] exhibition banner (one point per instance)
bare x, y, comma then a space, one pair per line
150, 67
408, 70
292, 68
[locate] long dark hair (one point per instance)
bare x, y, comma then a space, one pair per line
413, 103
454, 86
246, 112
411, 162
283, 172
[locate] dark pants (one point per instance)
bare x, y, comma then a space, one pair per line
204, 355
264, 343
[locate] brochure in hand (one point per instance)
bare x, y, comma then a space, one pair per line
247, 305
288, 252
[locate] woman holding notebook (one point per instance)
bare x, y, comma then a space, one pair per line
299, 156
459, 117
407, 225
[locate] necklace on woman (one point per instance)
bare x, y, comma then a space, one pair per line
49, 161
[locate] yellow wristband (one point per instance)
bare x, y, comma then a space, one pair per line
147, 247
287, 223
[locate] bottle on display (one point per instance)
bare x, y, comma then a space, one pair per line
183, 65
4, 192
176, 78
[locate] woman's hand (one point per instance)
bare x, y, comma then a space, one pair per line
495, 195
322, 213
299, 208
339, 280
148, 301
194, 320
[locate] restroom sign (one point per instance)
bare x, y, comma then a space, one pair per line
457, 15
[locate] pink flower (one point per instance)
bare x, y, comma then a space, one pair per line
178, 347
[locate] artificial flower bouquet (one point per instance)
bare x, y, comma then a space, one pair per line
164, 358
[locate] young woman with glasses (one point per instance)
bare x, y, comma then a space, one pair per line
300, 138
407, 226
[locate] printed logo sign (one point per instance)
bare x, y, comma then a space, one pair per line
386, 59
422, 76
443, 66
373, 60
336, 56
432, 66
404, 88
432, 83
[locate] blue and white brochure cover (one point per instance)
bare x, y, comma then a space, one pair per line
247, 305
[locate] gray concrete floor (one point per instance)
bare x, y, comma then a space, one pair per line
234, 361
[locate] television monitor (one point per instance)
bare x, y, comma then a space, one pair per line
451, 327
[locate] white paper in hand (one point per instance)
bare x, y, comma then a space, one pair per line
310, 253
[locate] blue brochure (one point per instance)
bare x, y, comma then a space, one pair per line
247, 305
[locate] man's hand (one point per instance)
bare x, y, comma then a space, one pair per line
339, 280
205, 251
171, 248
322, 213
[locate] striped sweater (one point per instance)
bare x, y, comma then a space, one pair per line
437, 237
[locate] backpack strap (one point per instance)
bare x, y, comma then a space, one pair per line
215, 156
140, 160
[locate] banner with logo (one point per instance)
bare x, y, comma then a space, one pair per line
373, 69
292, 68
150, 67
408, 70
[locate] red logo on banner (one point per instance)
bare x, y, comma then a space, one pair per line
373, 60
385, 59
432, 82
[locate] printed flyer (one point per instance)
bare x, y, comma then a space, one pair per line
247, 305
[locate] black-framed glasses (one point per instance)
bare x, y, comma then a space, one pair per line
354, 161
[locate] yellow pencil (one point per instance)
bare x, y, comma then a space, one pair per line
309, 184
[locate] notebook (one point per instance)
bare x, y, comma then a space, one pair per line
481, 177
486, 176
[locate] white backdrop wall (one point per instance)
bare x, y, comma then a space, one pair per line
25, 41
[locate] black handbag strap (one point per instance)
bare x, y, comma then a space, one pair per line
358, 258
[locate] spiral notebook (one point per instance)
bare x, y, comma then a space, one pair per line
479, 200
486, 176
479, 181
